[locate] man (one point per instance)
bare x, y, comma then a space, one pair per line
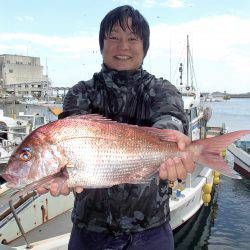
128, 216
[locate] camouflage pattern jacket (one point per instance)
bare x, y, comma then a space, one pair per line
134, 97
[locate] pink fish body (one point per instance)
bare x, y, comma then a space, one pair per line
95, 152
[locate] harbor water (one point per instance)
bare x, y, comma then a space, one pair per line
225, 223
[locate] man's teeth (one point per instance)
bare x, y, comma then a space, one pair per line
123, 57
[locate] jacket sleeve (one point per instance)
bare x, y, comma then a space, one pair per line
76, 101
168, 108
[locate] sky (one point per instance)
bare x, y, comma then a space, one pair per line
64, 34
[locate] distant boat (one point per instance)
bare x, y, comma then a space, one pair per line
226, 97
217, 99
31, 100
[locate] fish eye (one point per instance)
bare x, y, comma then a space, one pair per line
26, 154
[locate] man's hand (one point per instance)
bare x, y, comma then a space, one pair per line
58, 187
177, 168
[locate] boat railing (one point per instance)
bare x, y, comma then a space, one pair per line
6, 213
14, 132
215, 131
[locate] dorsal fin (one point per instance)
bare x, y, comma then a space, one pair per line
93, 117
163, 134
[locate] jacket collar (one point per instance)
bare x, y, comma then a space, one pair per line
121, 77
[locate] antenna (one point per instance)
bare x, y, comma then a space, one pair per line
47, 71
170, 61
181, 70
187, 60
27, 48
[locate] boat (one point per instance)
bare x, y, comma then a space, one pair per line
44, 224
14, 130
31, 100
189, 201
241, 153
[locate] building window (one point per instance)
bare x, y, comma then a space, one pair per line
10, 70
29, 63
8, 61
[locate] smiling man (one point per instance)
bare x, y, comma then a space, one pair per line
122, 49
128, 216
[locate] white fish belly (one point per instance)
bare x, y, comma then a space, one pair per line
102, 163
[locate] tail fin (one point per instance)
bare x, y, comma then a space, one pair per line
209, 151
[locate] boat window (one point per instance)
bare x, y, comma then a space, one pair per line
39, 121
3, 134
17, 131
26, 118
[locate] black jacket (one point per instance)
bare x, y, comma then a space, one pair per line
134, 97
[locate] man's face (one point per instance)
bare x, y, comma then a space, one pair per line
122, 50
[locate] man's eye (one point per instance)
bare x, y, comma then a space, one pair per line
132, 39
113, 38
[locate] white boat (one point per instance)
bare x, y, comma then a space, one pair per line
46, 219
190, 201
217, 99
241, 153
14, 130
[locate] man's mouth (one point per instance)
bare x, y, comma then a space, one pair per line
122, 57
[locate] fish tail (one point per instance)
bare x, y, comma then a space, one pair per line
208, 152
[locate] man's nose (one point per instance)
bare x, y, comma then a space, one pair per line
123, 44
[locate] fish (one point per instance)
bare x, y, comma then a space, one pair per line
95, 152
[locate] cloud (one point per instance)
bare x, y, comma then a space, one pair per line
55, 43
220, 46
150, 3
24, 18
16, 47
213, 38
175, 4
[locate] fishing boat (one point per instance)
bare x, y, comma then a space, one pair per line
187, 195
44, 221
14, 130
241, 153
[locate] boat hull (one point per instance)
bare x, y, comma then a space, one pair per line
241, 160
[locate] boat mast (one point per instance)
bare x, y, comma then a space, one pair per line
187, 60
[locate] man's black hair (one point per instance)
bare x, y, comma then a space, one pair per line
120, 15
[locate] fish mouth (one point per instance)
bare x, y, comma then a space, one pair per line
14, 181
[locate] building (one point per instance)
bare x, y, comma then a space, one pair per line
23, 75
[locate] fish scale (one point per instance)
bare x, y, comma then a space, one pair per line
97, 152
114, 165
